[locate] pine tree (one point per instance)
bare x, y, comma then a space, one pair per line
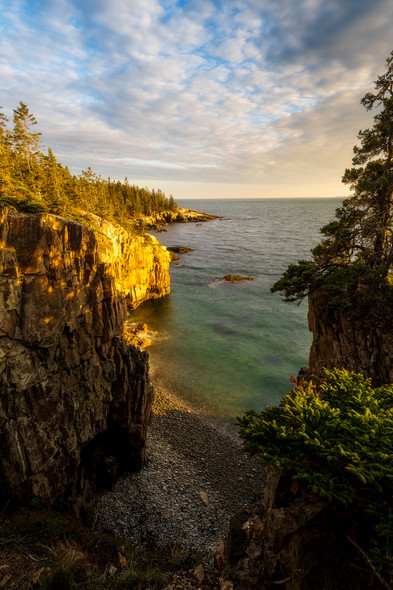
26, 142
52, 183
33, 181
358, 246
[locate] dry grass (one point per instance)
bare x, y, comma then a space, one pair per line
44, 550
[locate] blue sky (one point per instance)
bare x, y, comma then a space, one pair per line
201, 98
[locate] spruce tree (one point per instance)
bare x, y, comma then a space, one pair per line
26, 142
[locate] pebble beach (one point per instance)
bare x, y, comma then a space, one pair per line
196, 478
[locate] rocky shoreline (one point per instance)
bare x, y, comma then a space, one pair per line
180, 215
196, 478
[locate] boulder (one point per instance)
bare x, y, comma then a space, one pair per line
179, 249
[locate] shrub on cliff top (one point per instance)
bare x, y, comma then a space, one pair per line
335, 436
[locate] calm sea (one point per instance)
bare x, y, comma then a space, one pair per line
231, 347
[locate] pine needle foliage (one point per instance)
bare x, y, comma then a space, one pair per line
334, 436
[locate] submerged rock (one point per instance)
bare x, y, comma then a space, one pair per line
237, 278
140, 335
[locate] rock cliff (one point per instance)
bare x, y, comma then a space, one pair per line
74, 398
292, 540
347, 339
138, 263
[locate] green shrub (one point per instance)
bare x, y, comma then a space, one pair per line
335, 436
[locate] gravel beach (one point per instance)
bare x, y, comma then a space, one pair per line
196, 478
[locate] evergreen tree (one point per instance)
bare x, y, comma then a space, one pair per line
33, 181
52, 182
6, 163
26, 142
172, 205
358, 246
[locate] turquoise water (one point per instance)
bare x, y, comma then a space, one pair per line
231, 347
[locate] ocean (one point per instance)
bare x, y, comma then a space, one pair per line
229, 347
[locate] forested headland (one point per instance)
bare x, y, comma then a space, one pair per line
32, 180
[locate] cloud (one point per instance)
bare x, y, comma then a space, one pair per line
221, 91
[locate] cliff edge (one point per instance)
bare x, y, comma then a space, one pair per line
74, 398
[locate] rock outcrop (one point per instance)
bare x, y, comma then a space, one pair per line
343, 338
74, 397
181, 215
237, 278
180, 249
293, 540
138, 263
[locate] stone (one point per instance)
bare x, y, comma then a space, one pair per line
219, 556
226, 584
199, 573
204, 497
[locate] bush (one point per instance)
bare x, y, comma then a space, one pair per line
335, 436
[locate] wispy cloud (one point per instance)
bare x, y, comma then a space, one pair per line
259, 93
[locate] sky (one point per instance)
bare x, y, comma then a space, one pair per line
200, 98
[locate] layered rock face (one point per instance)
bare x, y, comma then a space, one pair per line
74, 398
343, 339
138, 264
293, 540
